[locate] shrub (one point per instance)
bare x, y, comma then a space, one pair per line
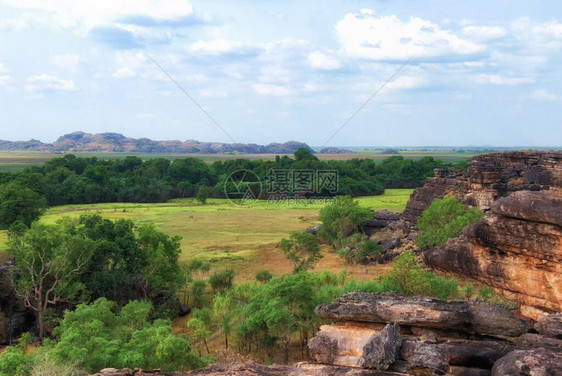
222, 282
341, 219
302, 250
444, 219
264, 276
407, 277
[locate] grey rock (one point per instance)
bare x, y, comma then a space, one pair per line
550, 325
533, 362
380, 353
429, 358
473, 317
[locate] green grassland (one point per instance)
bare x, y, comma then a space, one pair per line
242, 237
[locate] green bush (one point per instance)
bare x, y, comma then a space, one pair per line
221, 282
444, 219
341, 219
96, 337
264, 276
301, 248
407, 277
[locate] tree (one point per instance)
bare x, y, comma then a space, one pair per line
222, 282
302, 250
444, 219
202, 194
199, 333
48, 263
98, 336
20, 203
342, 218
303, 154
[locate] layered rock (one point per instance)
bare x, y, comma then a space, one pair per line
470, 316
488, 178
516, 248
495, 175
444, 182
436, 337
252, 369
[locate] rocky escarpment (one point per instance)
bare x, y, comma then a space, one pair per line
516, 248
488, 178
417, 335
444, 182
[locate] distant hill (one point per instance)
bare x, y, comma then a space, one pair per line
115, 142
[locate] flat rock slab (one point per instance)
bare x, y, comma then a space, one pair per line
473, 316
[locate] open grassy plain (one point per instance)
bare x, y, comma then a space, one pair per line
244, 238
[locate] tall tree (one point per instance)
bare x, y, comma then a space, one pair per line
20, 203
48, 263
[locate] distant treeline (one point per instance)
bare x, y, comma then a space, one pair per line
75, 180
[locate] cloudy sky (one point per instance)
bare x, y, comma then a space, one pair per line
482, 72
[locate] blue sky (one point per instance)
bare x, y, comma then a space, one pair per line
483, 72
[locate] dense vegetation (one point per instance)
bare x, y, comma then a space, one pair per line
443, 220
76, 261
74, 180
127, 278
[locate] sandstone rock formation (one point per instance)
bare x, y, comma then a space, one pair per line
488, 178
252, 369
436, 337
444, 182
472, 316
516, 248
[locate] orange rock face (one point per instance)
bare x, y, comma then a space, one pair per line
516, 248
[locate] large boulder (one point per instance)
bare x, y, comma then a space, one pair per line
533, 362
516, 249
473, 316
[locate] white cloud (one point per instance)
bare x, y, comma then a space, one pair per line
483, 33
213, 93
45, 82
268, 89
145, 115
552, 28
4, 80
543, 95
406, 82
319, 60
67, 61
124, 73
496, 79
367, 36
219, 46
87, 14
129, 63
